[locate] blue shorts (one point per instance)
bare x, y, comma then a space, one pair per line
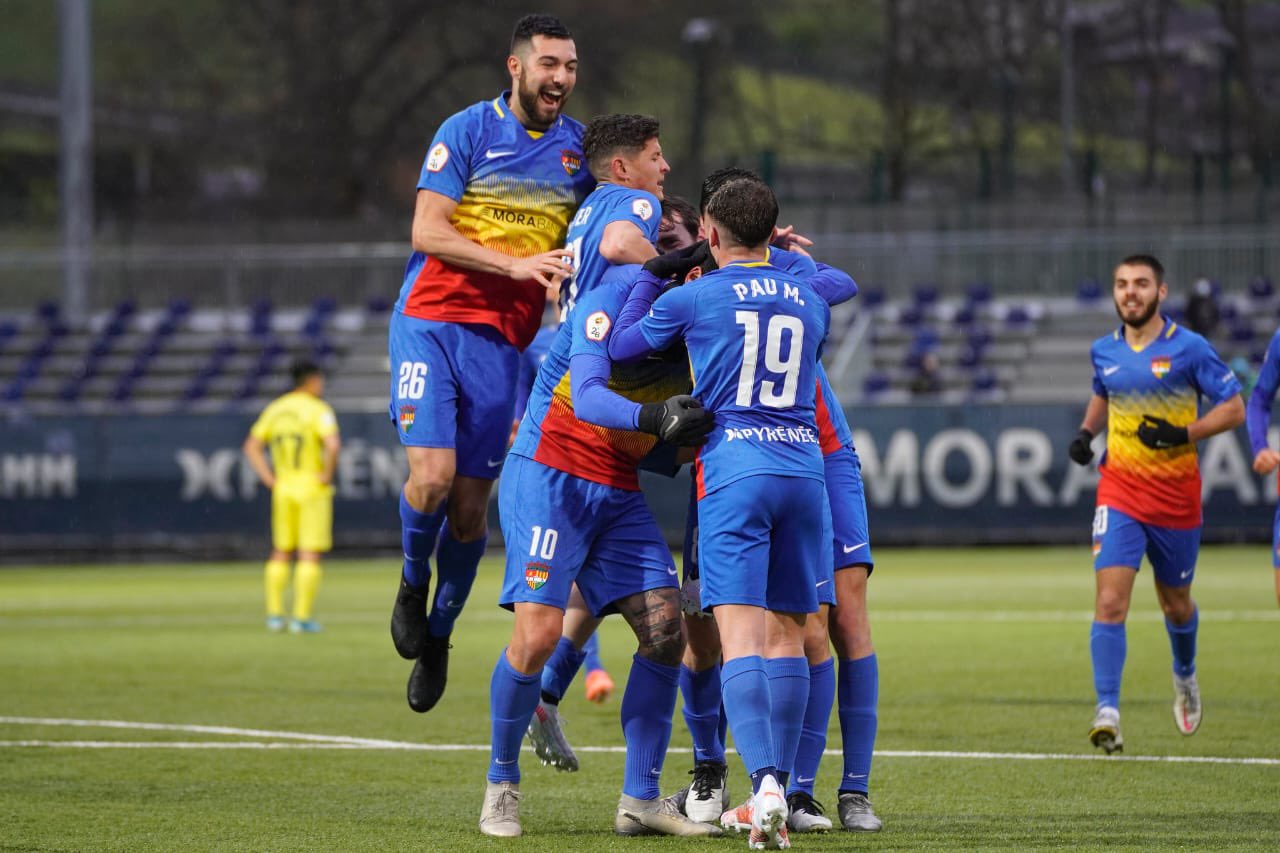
826, 589
760, 543
1121, 540
559, 528
453, 385
851, 542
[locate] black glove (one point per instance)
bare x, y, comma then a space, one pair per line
678, 263
1081, 451
1159, 434
681, 421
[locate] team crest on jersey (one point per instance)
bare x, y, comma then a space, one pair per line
598, 326
1160, 366
438, 157
536, 574
641, 207
407, 414
571, 160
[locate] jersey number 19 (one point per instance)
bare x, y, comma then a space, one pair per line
770, 395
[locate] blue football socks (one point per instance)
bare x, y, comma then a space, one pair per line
788, 696
456, 564
745, 688
418, 539
858, 693
647, 706
512, 698
813, 734
1182, 640
702, 712
1107, 647
559, 670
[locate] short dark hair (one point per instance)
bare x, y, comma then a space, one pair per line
747, 209
719, 178
605, 136
1141, 260
537, 25
673, 206
302, 370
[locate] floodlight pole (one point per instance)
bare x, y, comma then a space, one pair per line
75, 160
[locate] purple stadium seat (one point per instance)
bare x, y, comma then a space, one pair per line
378, 305
1260, 288
1089, 290
1017, 316
871, 296
875, 383
978, 293
1241, 333
970, 356
1227, 311
979, 337
985, 380
965, 316
926, 294
912, 315
48, 311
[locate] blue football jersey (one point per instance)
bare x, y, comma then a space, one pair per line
753, 333
607, 203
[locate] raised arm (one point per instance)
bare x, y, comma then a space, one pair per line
435, 235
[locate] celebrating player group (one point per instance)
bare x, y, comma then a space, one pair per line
705, 355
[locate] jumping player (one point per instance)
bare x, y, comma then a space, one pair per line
1258, 417
499, 185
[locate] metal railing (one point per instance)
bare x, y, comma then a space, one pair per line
1047, 262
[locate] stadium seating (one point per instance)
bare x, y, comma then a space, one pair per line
185, 358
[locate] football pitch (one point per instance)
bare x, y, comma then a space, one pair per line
146, 708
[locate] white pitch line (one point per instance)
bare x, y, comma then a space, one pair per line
314, 741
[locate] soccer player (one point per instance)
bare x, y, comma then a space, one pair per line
617, 224
499, 185
572, 512
301, 432
1258, 417
599, 684
1148, 377
753, 334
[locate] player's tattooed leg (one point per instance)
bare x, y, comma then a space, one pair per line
654, 616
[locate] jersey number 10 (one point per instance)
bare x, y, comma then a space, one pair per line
770, 396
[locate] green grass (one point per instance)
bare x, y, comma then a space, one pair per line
980, 650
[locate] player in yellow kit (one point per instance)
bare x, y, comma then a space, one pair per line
301, 433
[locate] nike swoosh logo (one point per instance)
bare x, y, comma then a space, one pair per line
508, 761
849, 549
1185, 575
492, 464
1107, 371
820, 583
803, 780
453, 603
671, 571
492, 155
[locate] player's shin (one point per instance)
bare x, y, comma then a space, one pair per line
702, 712
788, 695
306, 583
857, 692
512, 697
456, 565
647, 707
418, 531
560, 669
813, 732
1108, 648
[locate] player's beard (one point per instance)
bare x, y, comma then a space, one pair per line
1143, 318
534, 109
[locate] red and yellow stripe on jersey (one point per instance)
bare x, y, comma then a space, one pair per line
1166, 379
516, 193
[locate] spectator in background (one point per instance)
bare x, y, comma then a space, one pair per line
928, 378
1202, 308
